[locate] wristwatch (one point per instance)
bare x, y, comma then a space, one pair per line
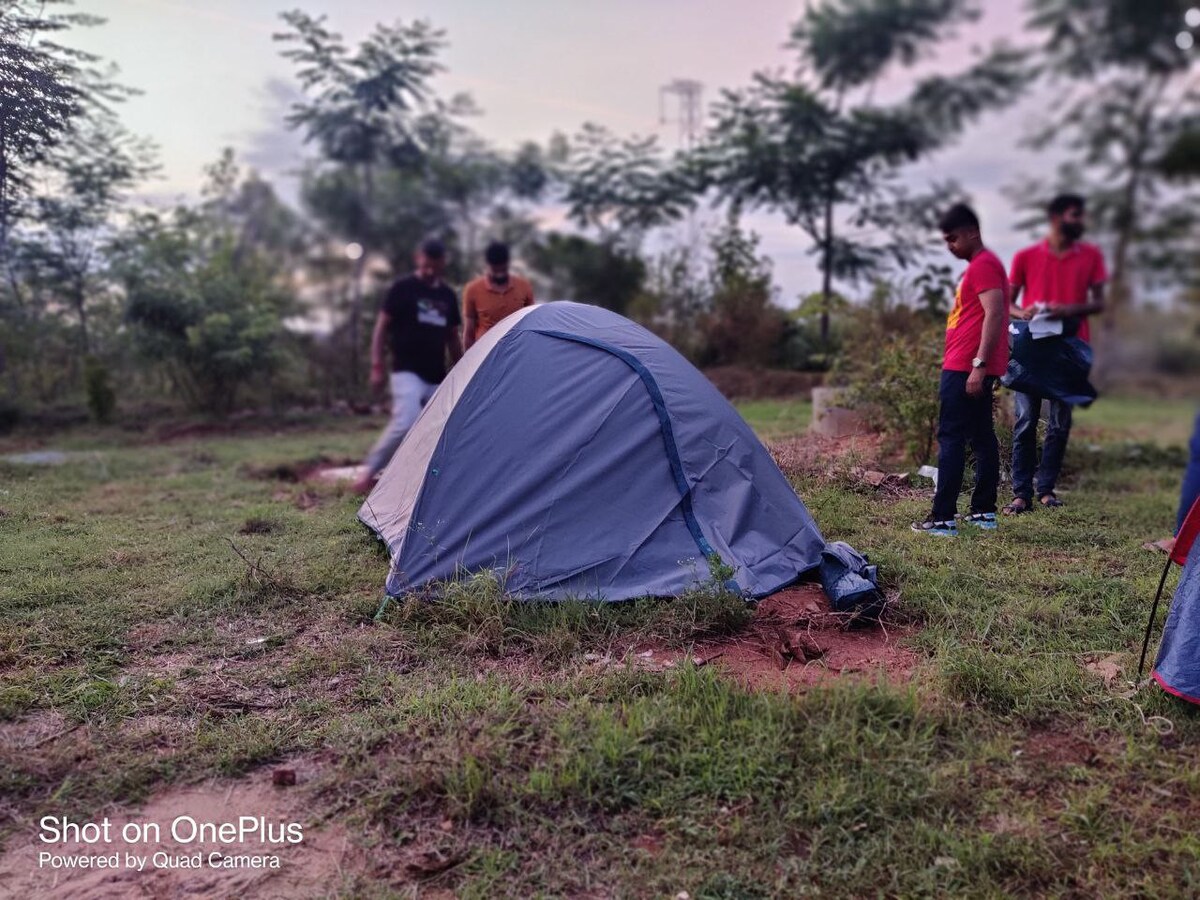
978, 363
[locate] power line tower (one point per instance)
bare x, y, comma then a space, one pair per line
687, 95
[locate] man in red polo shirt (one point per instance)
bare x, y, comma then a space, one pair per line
976, 356
1065, 277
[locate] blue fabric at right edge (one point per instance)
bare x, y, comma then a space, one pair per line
1178, 666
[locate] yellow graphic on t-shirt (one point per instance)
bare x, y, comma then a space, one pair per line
956, 313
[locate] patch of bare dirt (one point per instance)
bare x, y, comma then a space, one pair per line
1055, 749
323, 857
302, 499
811, 454
793, 641
796, 641
259, 526
298, 471
33, 731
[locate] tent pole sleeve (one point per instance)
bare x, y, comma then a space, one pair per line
1153, 611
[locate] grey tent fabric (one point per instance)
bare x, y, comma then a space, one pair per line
587, 458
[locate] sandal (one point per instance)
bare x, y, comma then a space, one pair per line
1050, 500
1016, 507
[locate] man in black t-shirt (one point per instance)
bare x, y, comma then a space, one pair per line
419, 321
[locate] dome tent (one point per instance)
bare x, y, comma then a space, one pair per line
576, 455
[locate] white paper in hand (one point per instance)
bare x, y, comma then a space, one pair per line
1042, 326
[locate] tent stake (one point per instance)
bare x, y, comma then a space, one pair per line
1153, 610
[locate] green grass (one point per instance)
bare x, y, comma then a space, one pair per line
1118, 418
179, 612
1138, 418
774, 419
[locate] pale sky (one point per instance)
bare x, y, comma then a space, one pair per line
212, 77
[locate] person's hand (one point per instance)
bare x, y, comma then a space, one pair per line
1024, 314
975, 382
378, 377
1056, 311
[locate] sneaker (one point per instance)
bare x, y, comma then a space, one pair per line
986, 521
942, 529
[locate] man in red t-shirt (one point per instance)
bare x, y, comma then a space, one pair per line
1064, 277
976, 356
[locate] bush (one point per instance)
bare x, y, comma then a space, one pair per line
10, 415
898, 378
803, 349
101, 399
208, 310
1176, 354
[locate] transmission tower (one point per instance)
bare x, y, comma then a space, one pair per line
686, 95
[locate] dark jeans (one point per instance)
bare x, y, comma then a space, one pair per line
1191, 480
1024, 450
961, 420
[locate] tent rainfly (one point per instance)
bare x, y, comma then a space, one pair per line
1177, 667
576, 455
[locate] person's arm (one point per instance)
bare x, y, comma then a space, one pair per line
1093, 307
378, 341
1015, 309
454, 345
469, 326
1016, 282
993, 332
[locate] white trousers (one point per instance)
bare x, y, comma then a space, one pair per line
409, 393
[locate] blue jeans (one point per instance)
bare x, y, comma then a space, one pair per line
1191, 480
1024, 450
963, 419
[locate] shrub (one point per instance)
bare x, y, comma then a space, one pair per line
101, 399
897, 378
10, 415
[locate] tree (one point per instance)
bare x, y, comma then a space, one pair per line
622, 188
87, 182
820, 150
39, 97
45, 89
743, 326
205, 300
588, 271
365, 110
1128, 111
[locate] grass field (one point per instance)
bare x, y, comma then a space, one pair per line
172, 613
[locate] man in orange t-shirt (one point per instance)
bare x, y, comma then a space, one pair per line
492, 296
